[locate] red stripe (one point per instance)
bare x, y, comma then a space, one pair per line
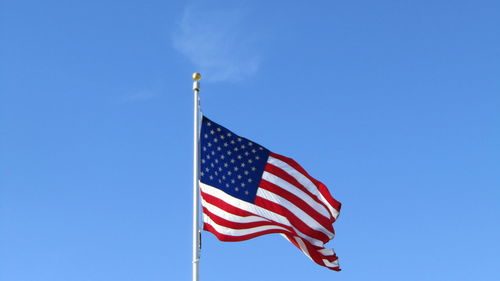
321, 187
229, 238
296, 222
237, 211
315, 255
234, 225
225, 206
318, 257
291, 180
292, 198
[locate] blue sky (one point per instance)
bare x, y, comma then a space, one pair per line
393, 104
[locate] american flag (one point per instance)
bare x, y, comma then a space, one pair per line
248, 191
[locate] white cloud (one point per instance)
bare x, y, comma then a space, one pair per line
216, 42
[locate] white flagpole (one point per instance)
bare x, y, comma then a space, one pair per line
196, 171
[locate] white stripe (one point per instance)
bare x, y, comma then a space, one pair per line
303, 216
303, 180
238, 203
228, 216
240, 232
297, 192
326, 252
331, 264
303, 247
286, 237
254, 209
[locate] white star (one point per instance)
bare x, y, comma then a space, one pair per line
246, 153
229, 152
204, 148
218, 148
222, 137
203, 161
202, 174
227, 185
211, 177
242, 164
229, 134
207, 169
212, 132
253, 150
225, 165
212, 165
216, 173
246, 172
223, 177
208, 156
220, 181
232, 181
209, 124
220, 169
243, 146
257, 157
239, 139
206, 136
222, 156
242, 184
229, 173
213, 152
253, 168
216, 140
239, 156
218, 129
250, 180
239, 177
250, 161
232, 161
209, 144
235, 149
225, 144
260, 148
246, 192
216, 160
236, 189
250, 143
235, 168
232, 142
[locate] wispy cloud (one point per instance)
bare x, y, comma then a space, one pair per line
216, 42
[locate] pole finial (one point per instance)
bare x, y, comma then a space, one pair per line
196, 81
196, 76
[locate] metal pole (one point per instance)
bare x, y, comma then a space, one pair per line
196, 171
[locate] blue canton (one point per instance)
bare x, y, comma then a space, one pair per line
229, 162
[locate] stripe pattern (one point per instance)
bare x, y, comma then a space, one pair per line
248, 191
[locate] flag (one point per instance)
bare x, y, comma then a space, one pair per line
248, 191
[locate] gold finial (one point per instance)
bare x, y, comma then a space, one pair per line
196, 76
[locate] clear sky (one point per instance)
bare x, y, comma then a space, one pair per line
394, 105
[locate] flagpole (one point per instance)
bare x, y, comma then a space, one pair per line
196, 170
